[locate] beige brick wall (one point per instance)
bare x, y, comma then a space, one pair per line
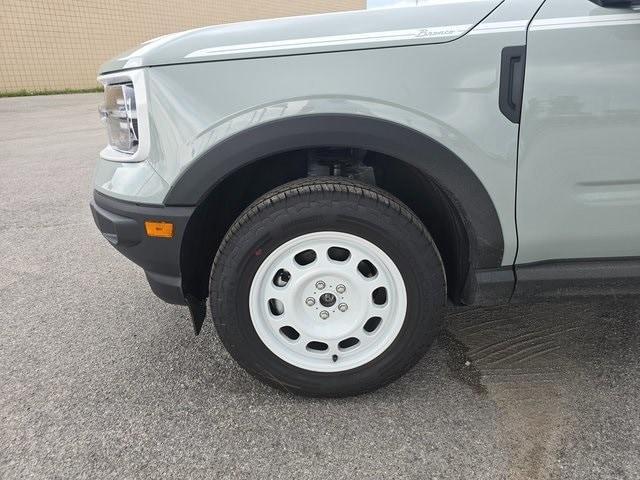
59, 44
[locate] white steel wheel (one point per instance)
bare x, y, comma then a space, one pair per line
328, 301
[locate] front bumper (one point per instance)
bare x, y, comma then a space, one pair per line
122, 224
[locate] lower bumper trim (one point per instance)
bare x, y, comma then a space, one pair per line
122, 224
166, 287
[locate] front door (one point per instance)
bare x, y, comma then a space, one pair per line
578, 189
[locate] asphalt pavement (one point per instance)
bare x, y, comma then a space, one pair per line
100, 379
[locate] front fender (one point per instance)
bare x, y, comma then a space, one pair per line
344, 130
226, 114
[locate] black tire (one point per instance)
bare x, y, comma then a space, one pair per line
317, 204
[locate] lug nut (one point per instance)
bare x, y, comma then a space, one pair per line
343, 307
320, 285
310, 301
341, 288
324, 314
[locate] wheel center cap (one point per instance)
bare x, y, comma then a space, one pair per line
327, 299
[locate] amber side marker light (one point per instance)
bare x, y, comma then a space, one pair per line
159, 229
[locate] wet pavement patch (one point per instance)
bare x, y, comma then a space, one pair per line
459, 363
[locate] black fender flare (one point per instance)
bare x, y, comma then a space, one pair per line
432, 158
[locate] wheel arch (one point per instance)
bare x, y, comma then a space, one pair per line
212, 176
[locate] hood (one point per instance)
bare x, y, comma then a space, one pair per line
436, 21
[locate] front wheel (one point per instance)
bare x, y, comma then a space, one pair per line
327, 287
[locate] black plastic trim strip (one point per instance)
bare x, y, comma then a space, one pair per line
577, 278
616, 3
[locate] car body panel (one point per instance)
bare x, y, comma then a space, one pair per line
579, 169
448, 92
434, 22
134, 182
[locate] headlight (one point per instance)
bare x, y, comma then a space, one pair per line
120, 116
